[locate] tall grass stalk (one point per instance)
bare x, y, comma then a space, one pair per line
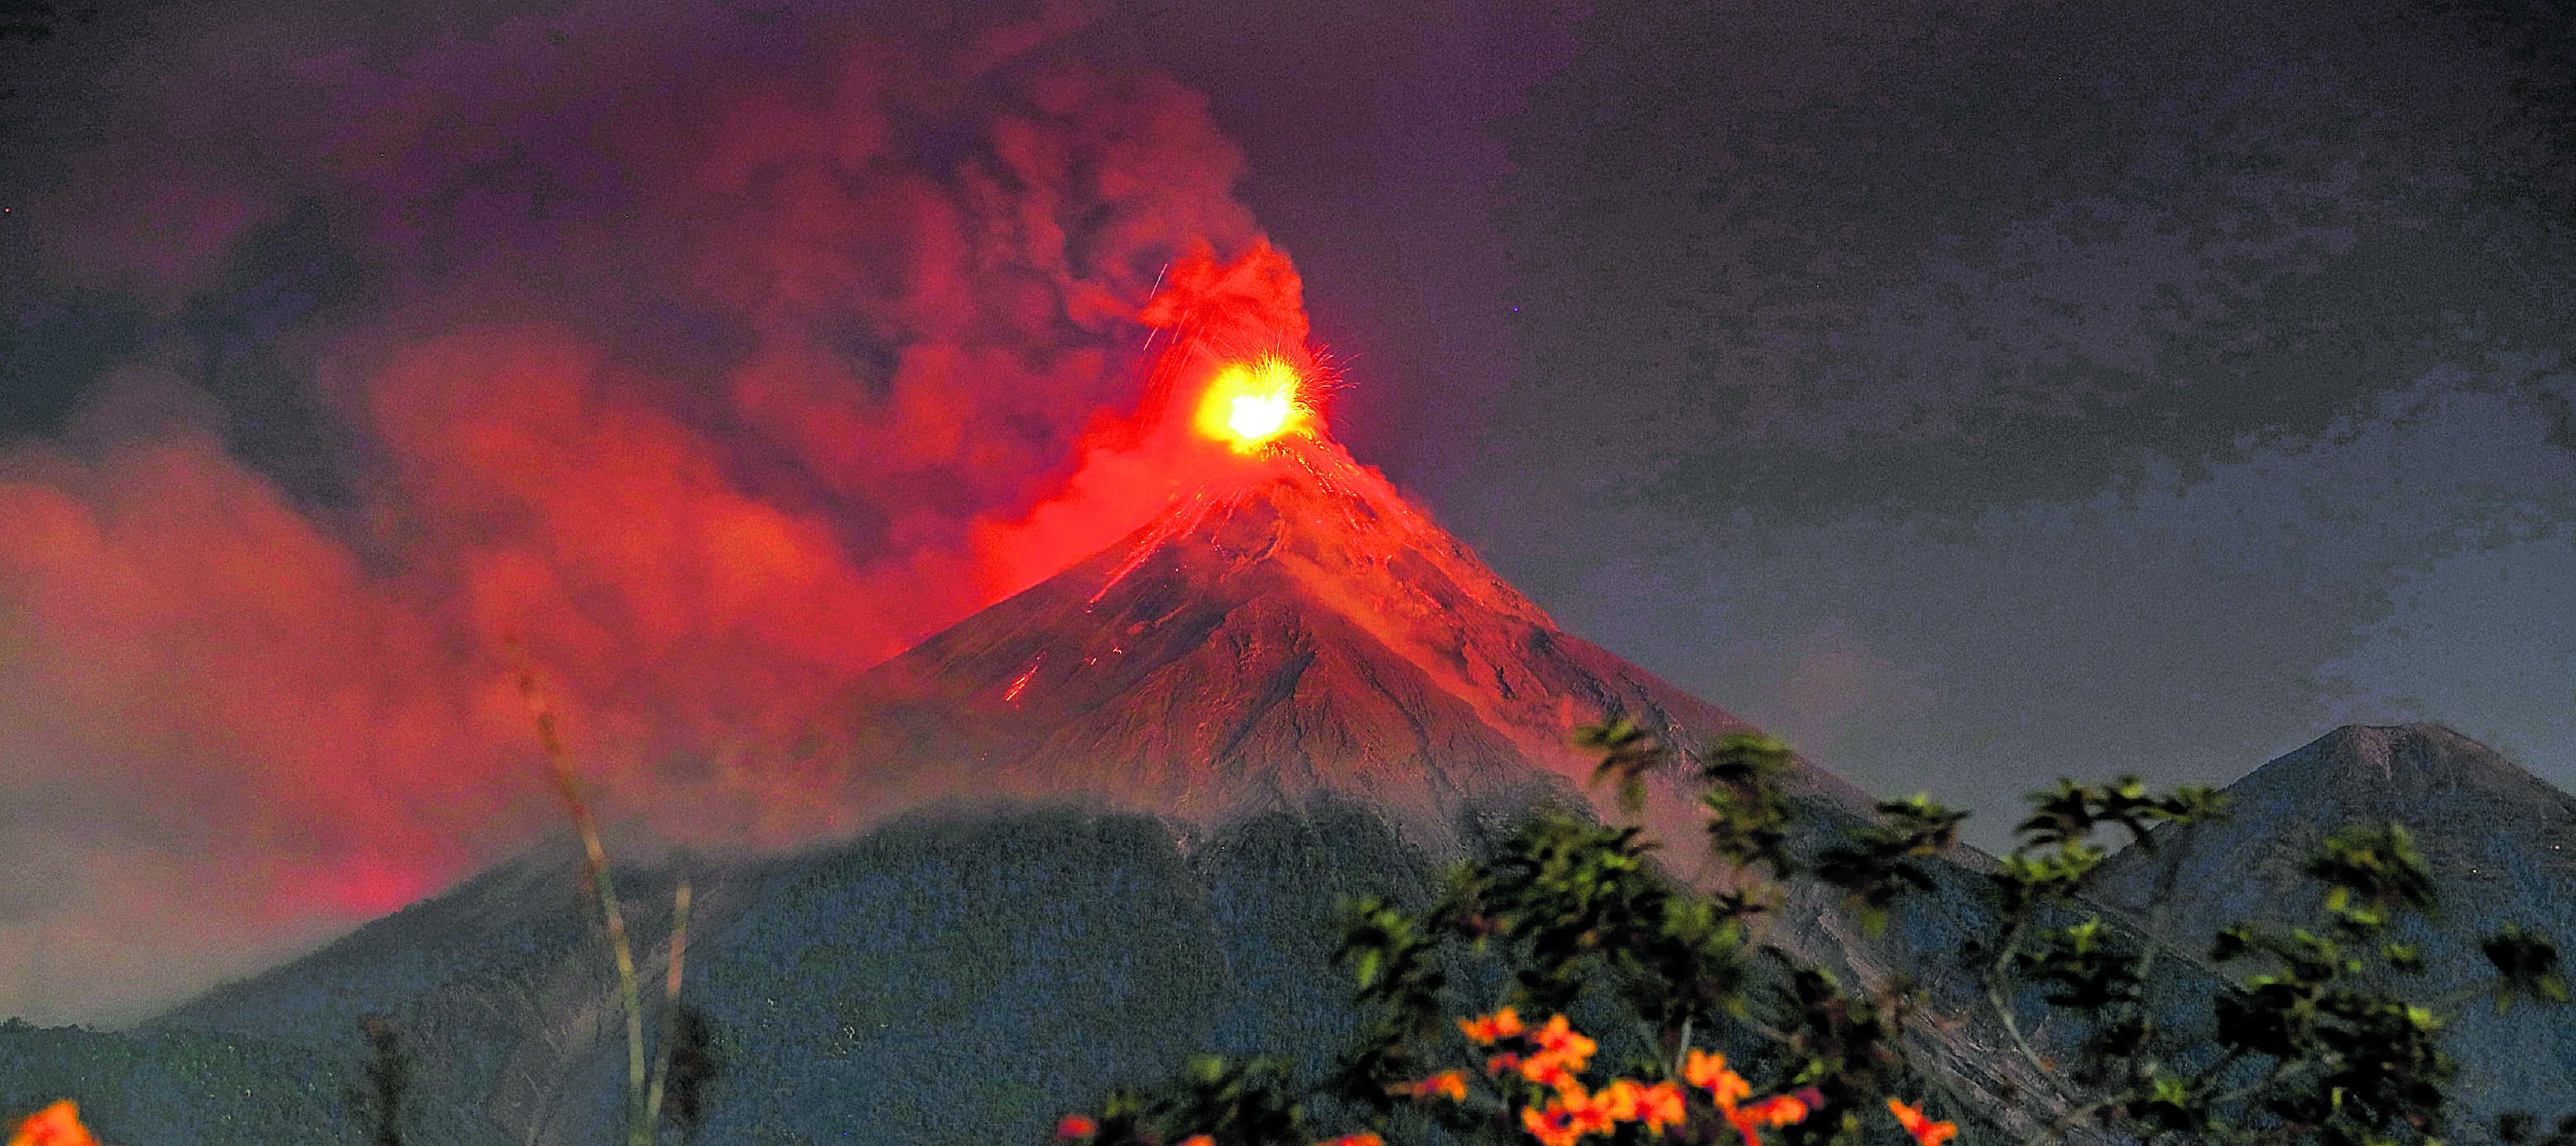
643, 1103
670, 1035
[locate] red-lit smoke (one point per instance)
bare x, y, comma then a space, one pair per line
1209, 314
713, 359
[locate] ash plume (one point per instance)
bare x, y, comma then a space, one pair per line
709, 356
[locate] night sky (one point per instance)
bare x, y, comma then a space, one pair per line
1969, 393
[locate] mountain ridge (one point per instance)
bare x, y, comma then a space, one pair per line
2499, 843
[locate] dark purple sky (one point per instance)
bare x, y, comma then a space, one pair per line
1972, 394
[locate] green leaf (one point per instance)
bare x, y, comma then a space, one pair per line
1628, 754
2380, 867
2526, 963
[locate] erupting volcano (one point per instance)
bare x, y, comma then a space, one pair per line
1288, 627
1309, 687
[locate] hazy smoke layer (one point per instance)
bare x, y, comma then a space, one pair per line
710, 357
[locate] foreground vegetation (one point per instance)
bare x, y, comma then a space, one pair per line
1574, 918
1561, 990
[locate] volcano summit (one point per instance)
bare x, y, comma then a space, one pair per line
1288, 630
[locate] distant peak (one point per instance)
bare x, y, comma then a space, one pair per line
2400, 760
2397, 739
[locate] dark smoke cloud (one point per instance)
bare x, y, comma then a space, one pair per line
710, 357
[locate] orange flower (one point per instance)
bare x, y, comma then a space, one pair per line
1559, 1039
1076, 1126
1562, 1053
1360, 1139
1619, 1100
1198, 1140
1925, 1131
1659, 1106
1484, 1029
1746, 1125
1568, 1116
1585, 1115
56, 1125
1573, 1114
1709, 1070
1547, 1069
1553, 1128
1777, 1110
1449, 1082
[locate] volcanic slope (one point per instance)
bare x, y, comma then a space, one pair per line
1289, 688
1291, 630
1297, 632
2499, 842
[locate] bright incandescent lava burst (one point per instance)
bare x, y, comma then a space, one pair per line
1249, 405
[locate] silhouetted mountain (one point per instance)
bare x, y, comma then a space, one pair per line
2499, 842
937, 981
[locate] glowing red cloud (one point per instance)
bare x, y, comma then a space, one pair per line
216, 665
609, 535
712, 360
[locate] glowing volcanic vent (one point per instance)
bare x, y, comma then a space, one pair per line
1249, 405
